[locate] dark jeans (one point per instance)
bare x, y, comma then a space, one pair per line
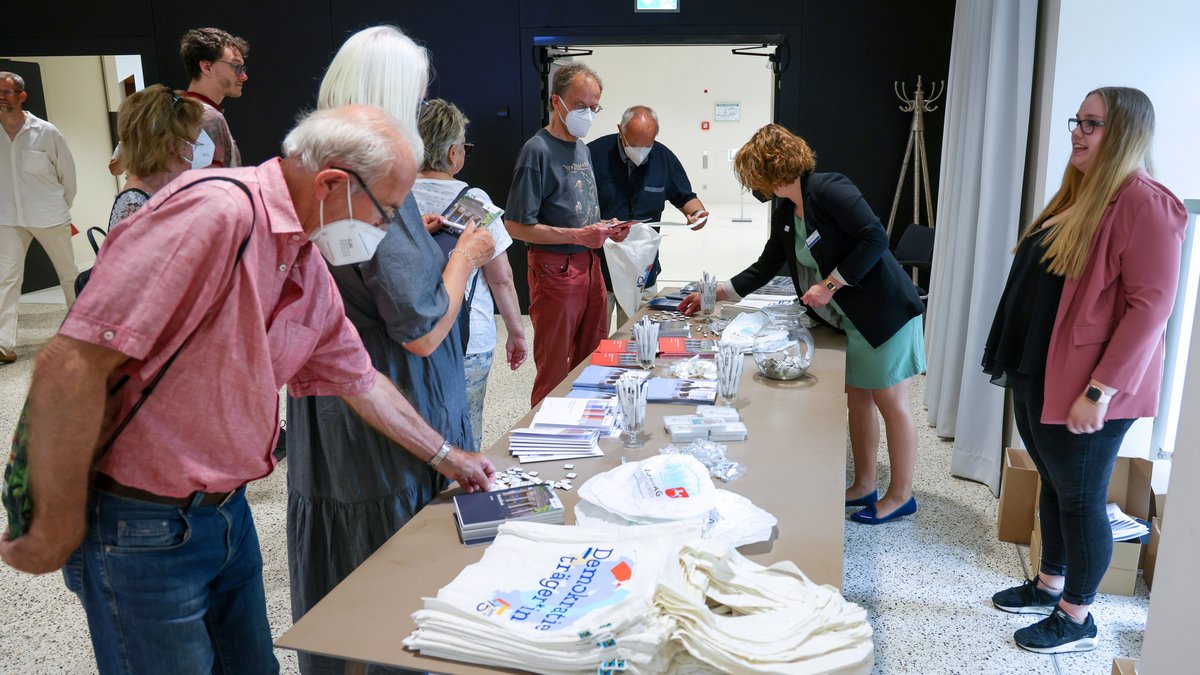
1075, 469
172, 590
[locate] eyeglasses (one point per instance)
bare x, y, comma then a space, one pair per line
9, 92
467, 148
388, 216
595, 108
1086, 126
239, 69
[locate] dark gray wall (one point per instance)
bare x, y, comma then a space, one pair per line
836, 90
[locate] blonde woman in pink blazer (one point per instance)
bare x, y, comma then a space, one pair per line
1078, 337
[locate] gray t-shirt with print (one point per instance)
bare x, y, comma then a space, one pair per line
553, 184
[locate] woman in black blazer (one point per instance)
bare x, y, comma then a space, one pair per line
823, 223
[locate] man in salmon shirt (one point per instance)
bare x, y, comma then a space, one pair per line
228, 308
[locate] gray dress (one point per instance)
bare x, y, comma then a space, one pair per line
349, 488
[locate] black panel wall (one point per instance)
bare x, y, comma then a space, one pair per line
836, 90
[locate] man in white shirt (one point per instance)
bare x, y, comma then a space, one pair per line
37, 187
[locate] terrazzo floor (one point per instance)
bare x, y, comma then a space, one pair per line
926, 581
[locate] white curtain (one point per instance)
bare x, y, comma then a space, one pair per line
987, 125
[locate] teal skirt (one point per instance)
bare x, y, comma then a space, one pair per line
867, 367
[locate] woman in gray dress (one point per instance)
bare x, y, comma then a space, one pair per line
349, 488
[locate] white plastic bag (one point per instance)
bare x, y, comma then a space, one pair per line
629, 262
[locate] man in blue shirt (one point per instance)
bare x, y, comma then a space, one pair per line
635, 178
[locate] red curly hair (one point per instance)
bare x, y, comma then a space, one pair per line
773, 157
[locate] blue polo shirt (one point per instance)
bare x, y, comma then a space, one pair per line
629, 192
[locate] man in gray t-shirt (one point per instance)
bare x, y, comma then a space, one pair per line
553, 207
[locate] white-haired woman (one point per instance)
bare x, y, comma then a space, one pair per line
349, 488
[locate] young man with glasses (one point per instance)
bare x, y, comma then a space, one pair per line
554, 208
216, 63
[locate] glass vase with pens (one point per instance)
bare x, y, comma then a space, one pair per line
645, 337
631, 398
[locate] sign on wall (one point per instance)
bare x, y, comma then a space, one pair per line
656, 5
728, 112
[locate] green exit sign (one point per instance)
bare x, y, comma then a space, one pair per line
656, 5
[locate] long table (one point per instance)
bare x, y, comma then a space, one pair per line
795, 460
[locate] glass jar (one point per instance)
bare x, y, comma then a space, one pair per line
783, 347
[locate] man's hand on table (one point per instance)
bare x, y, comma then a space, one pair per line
471, 470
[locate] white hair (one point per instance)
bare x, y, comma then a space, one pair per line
383, 67
363, 143
632, 111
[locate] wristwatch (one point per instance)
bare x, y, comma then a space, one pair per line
1096, 395
830, 285
441, 454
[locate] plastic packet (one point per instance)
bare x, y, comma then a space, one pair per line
694, 368
712, 456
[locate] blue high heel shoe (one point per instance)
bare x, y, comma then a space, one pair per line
865, 500
867, 516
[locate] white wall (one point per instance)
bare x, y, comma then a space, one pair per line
1147, 45
76, 103
682, 84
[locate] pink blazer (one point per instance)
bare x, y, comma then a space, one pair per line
1111, 319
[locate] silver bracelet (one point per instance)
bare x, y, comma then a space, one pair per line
441, 454
465, 255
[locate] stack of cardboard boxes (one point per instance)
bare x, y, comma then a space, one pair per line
1129, 488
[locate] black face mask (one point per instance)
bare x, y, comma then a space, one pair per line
762, 196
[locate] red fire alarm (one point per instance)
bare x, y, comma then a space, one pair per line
704, 125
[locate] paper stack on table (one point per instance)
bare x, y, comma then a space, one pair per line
755, 302
540, 444
479, 515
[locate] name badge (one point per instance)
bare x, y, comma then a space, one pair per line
812, 239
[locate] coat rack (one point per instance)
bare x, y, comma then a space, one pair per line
918, 105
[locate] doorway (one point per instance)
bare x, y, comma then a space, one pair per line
709, 102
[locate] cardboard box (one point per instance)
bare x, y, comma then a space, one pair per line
1152, 551
1019, 486
1129, 488
1125, 666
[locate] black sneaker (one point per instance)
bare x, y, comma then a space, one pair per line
1058, 634
1026, 599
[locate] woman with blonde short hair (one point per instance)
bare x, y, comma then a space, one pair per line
160, 135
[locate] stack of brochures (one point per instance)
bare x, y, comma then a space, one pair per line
478, 515
603, 379
755, 302
623, 353
1125, 527
709, 423
540, 444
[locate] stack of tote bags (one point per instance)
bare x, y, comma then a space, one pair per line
639, 599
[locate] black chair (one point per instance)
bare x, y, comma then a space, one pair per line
914, 252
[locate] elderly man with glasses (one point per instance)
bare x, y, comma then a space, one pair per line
554, 208
37, 187
216, 63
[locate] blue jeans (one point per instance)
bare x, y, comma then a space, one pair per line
172, 590
476, 368
1075, 469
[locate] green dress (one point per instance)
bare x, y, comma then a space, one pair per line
867, 367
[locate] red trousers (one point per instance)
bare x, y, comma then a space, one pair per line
568, 307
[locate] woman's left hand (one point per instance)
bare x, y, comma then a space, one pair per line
817, 296
1086, 417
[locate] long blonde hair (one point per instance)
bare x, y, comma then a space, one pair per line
1128, 129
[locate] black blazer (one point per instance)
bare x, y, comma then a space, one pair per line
879, 298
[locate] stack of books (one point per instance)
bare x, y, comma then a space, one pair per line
478, 515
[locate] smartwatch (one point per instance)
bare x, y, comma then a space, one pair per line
830, 285
441, 454
1096, 395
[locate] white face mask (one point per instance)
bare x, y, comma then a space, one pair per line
347, 241
579, 122
203, 151
637, 155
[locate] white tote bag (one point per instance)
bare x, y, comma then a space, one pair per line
629, 263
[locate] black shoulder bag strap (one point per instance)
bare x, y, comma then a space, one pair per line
150, 386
